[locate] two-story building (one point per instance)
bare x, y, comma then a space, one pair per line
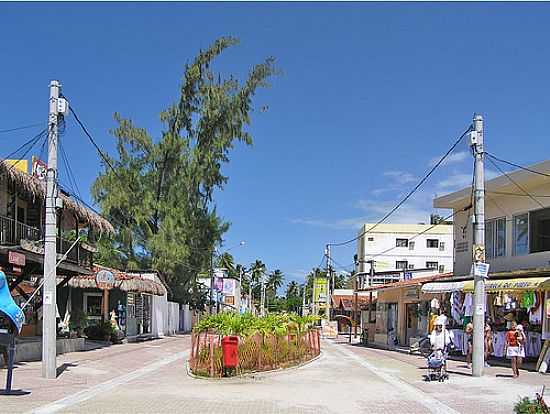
517, 243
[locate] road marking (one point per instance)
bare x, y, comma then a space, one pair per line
103, 387
432, 405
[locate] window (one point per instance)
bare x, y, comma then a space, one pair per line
411, 266
442, 246
432, 265
401, 242
370, 239
411, 245
539, 226
495, 238
401, 264
432, 243
441, 268
520, 235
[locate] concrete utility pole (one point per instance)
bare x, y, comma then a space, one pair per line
371, 277
478, 357
329, 274
49, 302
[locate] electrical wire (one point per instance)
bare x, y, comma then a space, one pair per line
2, 131
69, 170
516, 165
29, 144
415, 188
515, 183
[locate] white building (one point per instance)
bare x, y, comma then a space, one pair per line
420, 248
517, 226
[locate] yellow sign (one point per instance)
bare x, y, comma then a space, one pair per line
503, 285
320, 292
21, 165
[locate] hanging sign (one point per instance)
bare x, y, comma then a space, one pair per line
15, 258
481, 269
39, 168
228, 287
478, 252
105, 279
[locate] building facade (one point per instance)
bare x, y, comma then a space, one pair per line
406, 247
517, 222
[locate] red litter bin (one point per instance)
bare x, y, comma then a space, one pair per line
230, 348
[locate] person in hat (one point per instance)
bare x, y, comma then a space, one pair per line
440, 337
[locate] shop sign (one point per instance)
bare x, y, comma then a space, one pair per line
105, 279
229, 300
481, 269
15, 258
39, 168
228, 287
407, 276
17, 270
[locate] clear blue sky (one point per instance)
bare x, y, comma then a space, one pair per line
370, 95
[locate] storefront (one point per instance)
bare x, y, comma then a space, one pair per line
402, 312
523, 300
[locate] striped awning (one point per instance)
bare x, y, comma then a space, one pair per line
443, 287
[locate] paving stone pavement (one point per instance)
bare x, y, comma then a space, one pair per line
345, 379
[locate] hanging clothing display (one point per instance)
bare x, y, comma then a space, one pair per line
456, 307
468, 305
535, 313
434, 304
528, 300
499, 341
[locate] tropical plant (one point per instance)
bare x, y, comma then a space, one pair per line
274, 281
158, 192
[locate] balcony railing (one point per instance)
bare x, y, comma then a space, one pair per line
12, 231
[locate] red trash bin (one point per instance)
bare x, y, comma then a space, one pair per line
230, 349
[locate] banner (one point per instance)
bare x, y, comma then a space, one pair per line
320, 292
228, 287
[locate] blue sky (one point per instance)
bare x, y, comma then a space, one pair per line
370, 94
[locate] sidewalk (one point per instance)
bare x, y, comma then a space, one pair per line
495, 392
79, 371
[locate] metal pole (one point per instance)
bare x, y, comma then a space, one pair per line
329, 274
478, 357
211, 302
371, 277
50, 244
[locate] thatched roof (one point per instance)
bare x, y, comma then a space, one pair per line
36, 189
123, 281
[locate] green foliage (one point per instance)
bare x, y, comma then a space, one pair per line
527, 406
79, 320
103, 330
246, 325
160, 196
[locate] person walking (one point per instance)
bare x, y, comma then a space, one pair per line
514, 347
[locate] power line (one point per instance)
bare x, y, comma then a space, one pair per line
517, 165
69, 170
515, 183
415, 188
2, 131
30, 144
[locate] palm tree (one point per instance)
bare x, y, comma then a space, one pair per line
275, 281
257, 272
226, 261
292, 289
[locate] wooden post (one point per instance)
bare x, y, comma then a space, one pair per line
105, 304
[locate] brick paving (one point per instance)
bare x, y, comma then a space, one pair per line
345, 379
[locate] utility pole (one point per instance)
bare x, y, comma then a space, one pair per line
304, 299
371, 277
478, 357
329, 274
49, 301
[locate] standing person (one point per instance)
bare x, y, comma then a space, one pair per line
469, 341
488, 342
513, 347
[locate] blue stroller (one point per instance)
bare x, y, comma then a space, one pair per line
437, 366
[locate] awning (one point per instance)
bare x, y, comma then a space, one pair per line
443, 287
526, 283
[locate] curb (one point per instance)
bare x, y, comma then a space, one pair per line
251, 375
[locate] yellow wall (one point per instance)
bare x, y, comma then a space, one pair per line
21, 165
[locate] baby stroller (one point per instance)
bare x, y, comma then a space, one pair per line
437, 366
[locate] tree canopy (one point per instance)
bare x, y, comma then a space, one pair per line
159, 192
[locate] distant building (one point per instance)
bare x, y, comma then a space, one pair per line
418, 249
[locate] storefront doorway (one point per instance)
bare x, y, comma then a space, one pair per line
412, 322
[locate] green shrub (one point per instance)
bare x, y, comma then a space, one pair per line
102, 331
527, 406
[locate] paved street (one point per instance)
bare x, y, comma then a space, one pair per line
151, 377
